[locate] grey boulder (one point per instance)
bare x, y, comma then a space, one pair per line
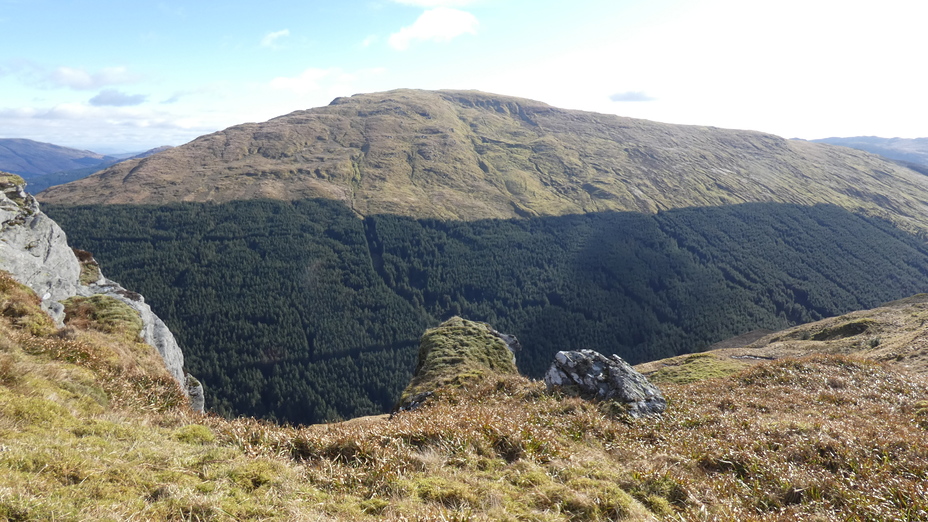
593, 376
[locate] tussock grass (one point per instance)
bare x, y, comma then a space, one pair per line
104, 313
691, 368
91, 429
20, 304
7, 179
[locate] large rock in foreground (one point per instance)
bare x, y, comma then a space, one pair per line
594, 376
455, 352
34, 248
35, 251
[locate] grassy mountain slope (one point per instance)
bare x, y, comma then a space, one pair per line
92, 429
39, 183
32, 158
470, 155
892, 333
300, 311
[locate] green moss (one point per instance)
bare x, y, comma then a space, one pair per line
195, 434
11, 179
843, 331
255, 474
104, 313
90, 273
374, 506
448, 493
696, 368
104, 428
33, 410
456, 352
921, 414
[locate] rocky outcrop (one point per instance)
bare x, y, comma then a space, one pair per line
34, 249
196, 394
154, 331
455, 352
594, 376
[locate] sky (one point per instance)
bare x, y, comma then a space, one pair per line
114, 76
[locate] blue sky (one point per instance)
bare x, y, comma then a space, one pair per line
116, 76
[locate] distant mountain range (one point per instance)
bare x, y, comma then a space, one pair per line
31, 159
45, 165
912, 153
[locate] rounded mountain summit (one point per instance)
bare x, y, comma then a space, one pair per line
471, 155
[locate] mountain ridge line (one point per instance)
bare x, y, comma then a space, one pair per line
470, 155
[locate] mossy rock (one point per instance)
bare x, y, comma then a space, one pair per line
456, 352
90, 269
7, 179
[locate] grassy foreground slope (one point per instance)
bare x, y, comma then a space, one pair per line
91, 429
302, 312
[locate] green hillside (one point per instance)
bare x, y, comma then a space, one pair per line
469, 155
301, 311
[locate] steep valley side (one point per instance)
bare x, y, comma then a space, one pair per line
301, 311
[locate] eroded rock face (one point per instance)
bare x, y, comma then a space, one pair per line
594, 376
35, 250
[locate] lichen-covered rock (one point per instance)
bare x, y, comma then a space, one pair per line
34, 248
455, 352
196, 394
594, 376
35, 251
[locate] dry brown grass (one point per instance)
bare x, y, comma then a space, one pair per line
818, 438
92, 428
23, 307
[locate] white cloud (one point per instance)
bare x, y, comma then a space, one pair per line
80, 79
332, 80
631, 96
177, 96
115, 129
115, 98
365, 43
270, 39
308, 81
441, 24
